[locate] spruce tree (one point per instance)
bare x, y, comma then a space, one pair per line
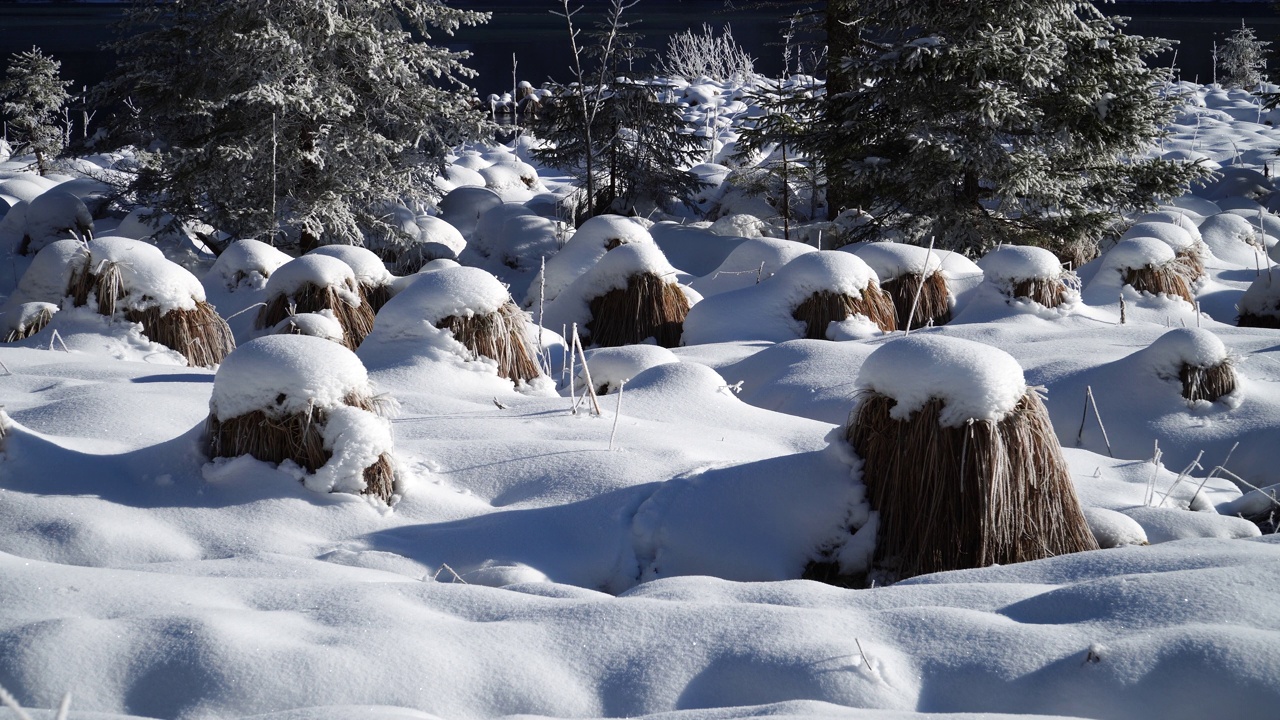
33, 94
294, 120
991, 121
1242, 59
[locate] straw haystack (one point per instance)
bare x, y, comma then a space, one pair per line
960, 460
307, 401
1027, 273
1147, 265
314, 283
1197, 360
1188, 248
25, 320
1260, 305
914, 279
119, 277
372, 278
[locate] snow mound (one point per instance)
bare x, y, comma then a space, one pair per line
1233, 238
434, 230
56, 215
1173, 217
49, 274
322, 325
610, 367
247, 264
1175, 236
1113, 529
748, 264
366, 265
1010, 264
974, 381
462, 207
1263, 296
582, 252
435, 295
1193, 347
740, 225
282, 375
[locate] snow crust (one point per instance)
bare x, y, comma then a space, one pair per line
974, 381
284, 375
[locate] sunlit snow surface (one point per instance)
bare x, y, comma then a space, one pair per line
642, 562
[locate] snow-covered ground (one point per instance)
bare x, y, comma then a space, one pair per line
643, 561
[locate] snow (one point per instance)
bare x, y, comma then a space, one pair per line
610, 272
643, 562
973, 381
1010, 264
56, 215
322, 271
1262, 297
321, 324
367, 266
1175, 236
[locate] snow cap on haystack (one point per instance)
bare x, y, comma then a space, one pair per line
306, 400
313, 283
1187, 248
902, 270
1148, 265
1197, 359
247, 264
960, 460
583, 251
827, 287
25, 320
372, 276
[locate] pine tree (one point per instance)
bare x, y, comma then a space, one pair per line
33, 95
991, 121
294, 120
619, 138
1242, 58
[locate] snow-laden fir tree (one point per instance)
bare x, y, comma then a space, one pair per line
1242, 59
622, 139
31, 100
294, 121
990, 121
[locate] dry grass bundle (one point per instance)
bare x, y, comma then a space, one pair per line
1248, 319
648, 307
825, 307
293, 437
933, 306
30, 325
972, 496
1167, 279
1190, 261
1049, 292
200, 334
356, 320
1207, 383
499, 336
375, 296
1076, 254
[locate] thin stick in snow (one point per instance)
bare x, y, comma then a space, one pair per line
1181, 476
586, 371
919, 288
1088, 390
1213, 473
573, 376
10, 702
617, 413
863, 653
64, 707
58, 337
1155, 472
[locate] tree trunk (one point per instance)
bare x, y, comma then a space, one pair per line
840, 43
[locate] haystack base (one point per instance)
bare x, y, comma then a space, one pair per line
825, 307
1207, 383
375, 296
200, 334
980, 494
1247, 319
35, 325
105, 286
356, 320
499, 336
649, 307
1167, 279
1049, 292
933, 306
295, 437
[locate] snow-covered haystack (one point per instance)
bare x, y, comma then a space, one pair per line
119, 276
307, 401
1027, 273
1233, 238
610, 367
1146, 264
585, 247
1260, 305
840, 286
313, 283
475, 309
1197, 359
1188, 249
372, 277
246, 264
25, 320
913, 278
55, 215
463, 206
434, 239
960, 460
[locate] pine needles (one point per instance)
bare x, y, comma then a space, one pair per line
648, 307
825, 307
499, 336
981, 494
933, 307
356, 319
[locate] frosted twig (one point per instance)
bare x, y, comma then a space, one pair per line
586, 371
7, 371
1182, 476
617, 412
1213, 473
919, 288
1088, 390
573, 376
64, 707
863, 653
1155, 472
58, 337
454, 573
255, 305
12, 704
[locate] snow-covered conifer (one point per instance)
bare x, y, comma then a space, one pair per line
294, 120
1242, 58
33, 94
991, 121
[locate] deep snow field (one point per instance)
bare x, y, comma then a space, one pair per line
643, 561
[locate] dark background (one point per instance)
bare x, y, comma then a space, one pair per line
73, 32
